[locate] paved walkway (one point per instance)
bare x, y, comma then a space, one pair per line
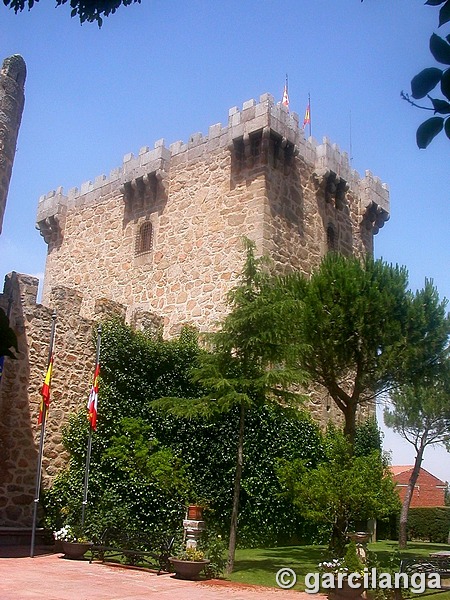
52, 577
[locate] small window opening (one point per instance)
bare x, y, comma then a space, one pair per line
331, 239
239, 150
255, 144
144, 239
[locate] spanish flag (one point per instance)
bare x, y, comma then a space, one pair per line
45, 391
307, 118
93, 400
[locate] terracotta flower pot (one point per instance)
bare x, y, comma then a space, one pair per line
188, 569
75, 550
195, 512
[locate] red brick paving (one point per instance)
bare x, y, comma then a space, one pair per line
51, 577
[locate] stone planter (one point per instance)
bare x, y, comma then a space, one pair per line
188, 569
346, 592
75, 550
360, 537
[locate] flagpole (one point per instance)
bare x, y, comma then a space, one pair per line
41, 443
309, 104
351, 147
89, 444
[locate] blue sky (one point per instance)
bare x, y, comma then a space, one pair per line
167, 69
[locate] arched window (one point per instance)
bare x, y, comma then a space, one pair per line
144, 239
331, 239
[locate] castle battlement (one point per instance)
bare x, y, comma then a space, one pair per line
264, 116
260, 133
376, 191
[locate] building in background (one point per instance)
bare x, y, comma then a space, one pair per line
429, 490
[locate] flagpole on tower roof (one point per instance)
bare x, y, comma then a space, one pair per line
307, 118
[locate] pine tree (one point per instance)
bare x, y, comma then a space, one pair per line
240, 368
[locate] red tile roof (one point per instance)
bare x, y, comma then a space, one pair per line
429, 490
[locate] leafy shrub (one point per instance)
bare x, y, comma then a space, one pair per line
216, 553
146, 465
208, 449
431, 524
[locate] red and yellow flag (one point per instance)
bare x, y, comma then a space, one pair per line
45, 391
307, 118
93, 399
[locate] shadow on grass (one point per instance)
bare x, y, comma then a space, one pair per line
276, 558
385, 550
259, 566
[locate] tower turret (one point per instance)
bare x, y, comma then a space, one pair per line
12, 99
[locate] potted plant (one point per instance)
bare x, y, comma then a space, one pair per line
74, 544
195, 512
189, 563
336, 573
197, 507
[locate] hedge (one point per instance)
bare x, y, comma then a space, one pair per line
431, 524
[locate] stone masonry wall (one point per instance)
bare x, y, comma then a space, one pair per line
74, 357
12, 99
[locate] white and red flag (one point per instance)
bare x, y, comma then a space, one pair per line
285, 101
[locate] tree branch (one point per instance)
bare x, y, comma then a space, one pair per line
406, 97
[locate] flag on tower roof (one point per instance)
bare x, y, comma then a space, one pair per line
307, 118
285, 101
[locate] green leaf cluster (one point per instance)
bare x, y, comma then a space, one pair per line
421, 413
135, 481
90, 11
342, 489
429, 524
354, 328
208, 447
428, 79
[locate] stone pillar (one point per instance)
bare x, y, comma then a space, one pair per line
12, 99
193, 531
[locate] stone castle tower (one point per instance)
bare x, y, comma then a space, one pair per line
159, 240
12, 99
162, 234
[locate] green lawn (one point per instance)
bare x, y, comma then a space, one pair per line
259, 566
